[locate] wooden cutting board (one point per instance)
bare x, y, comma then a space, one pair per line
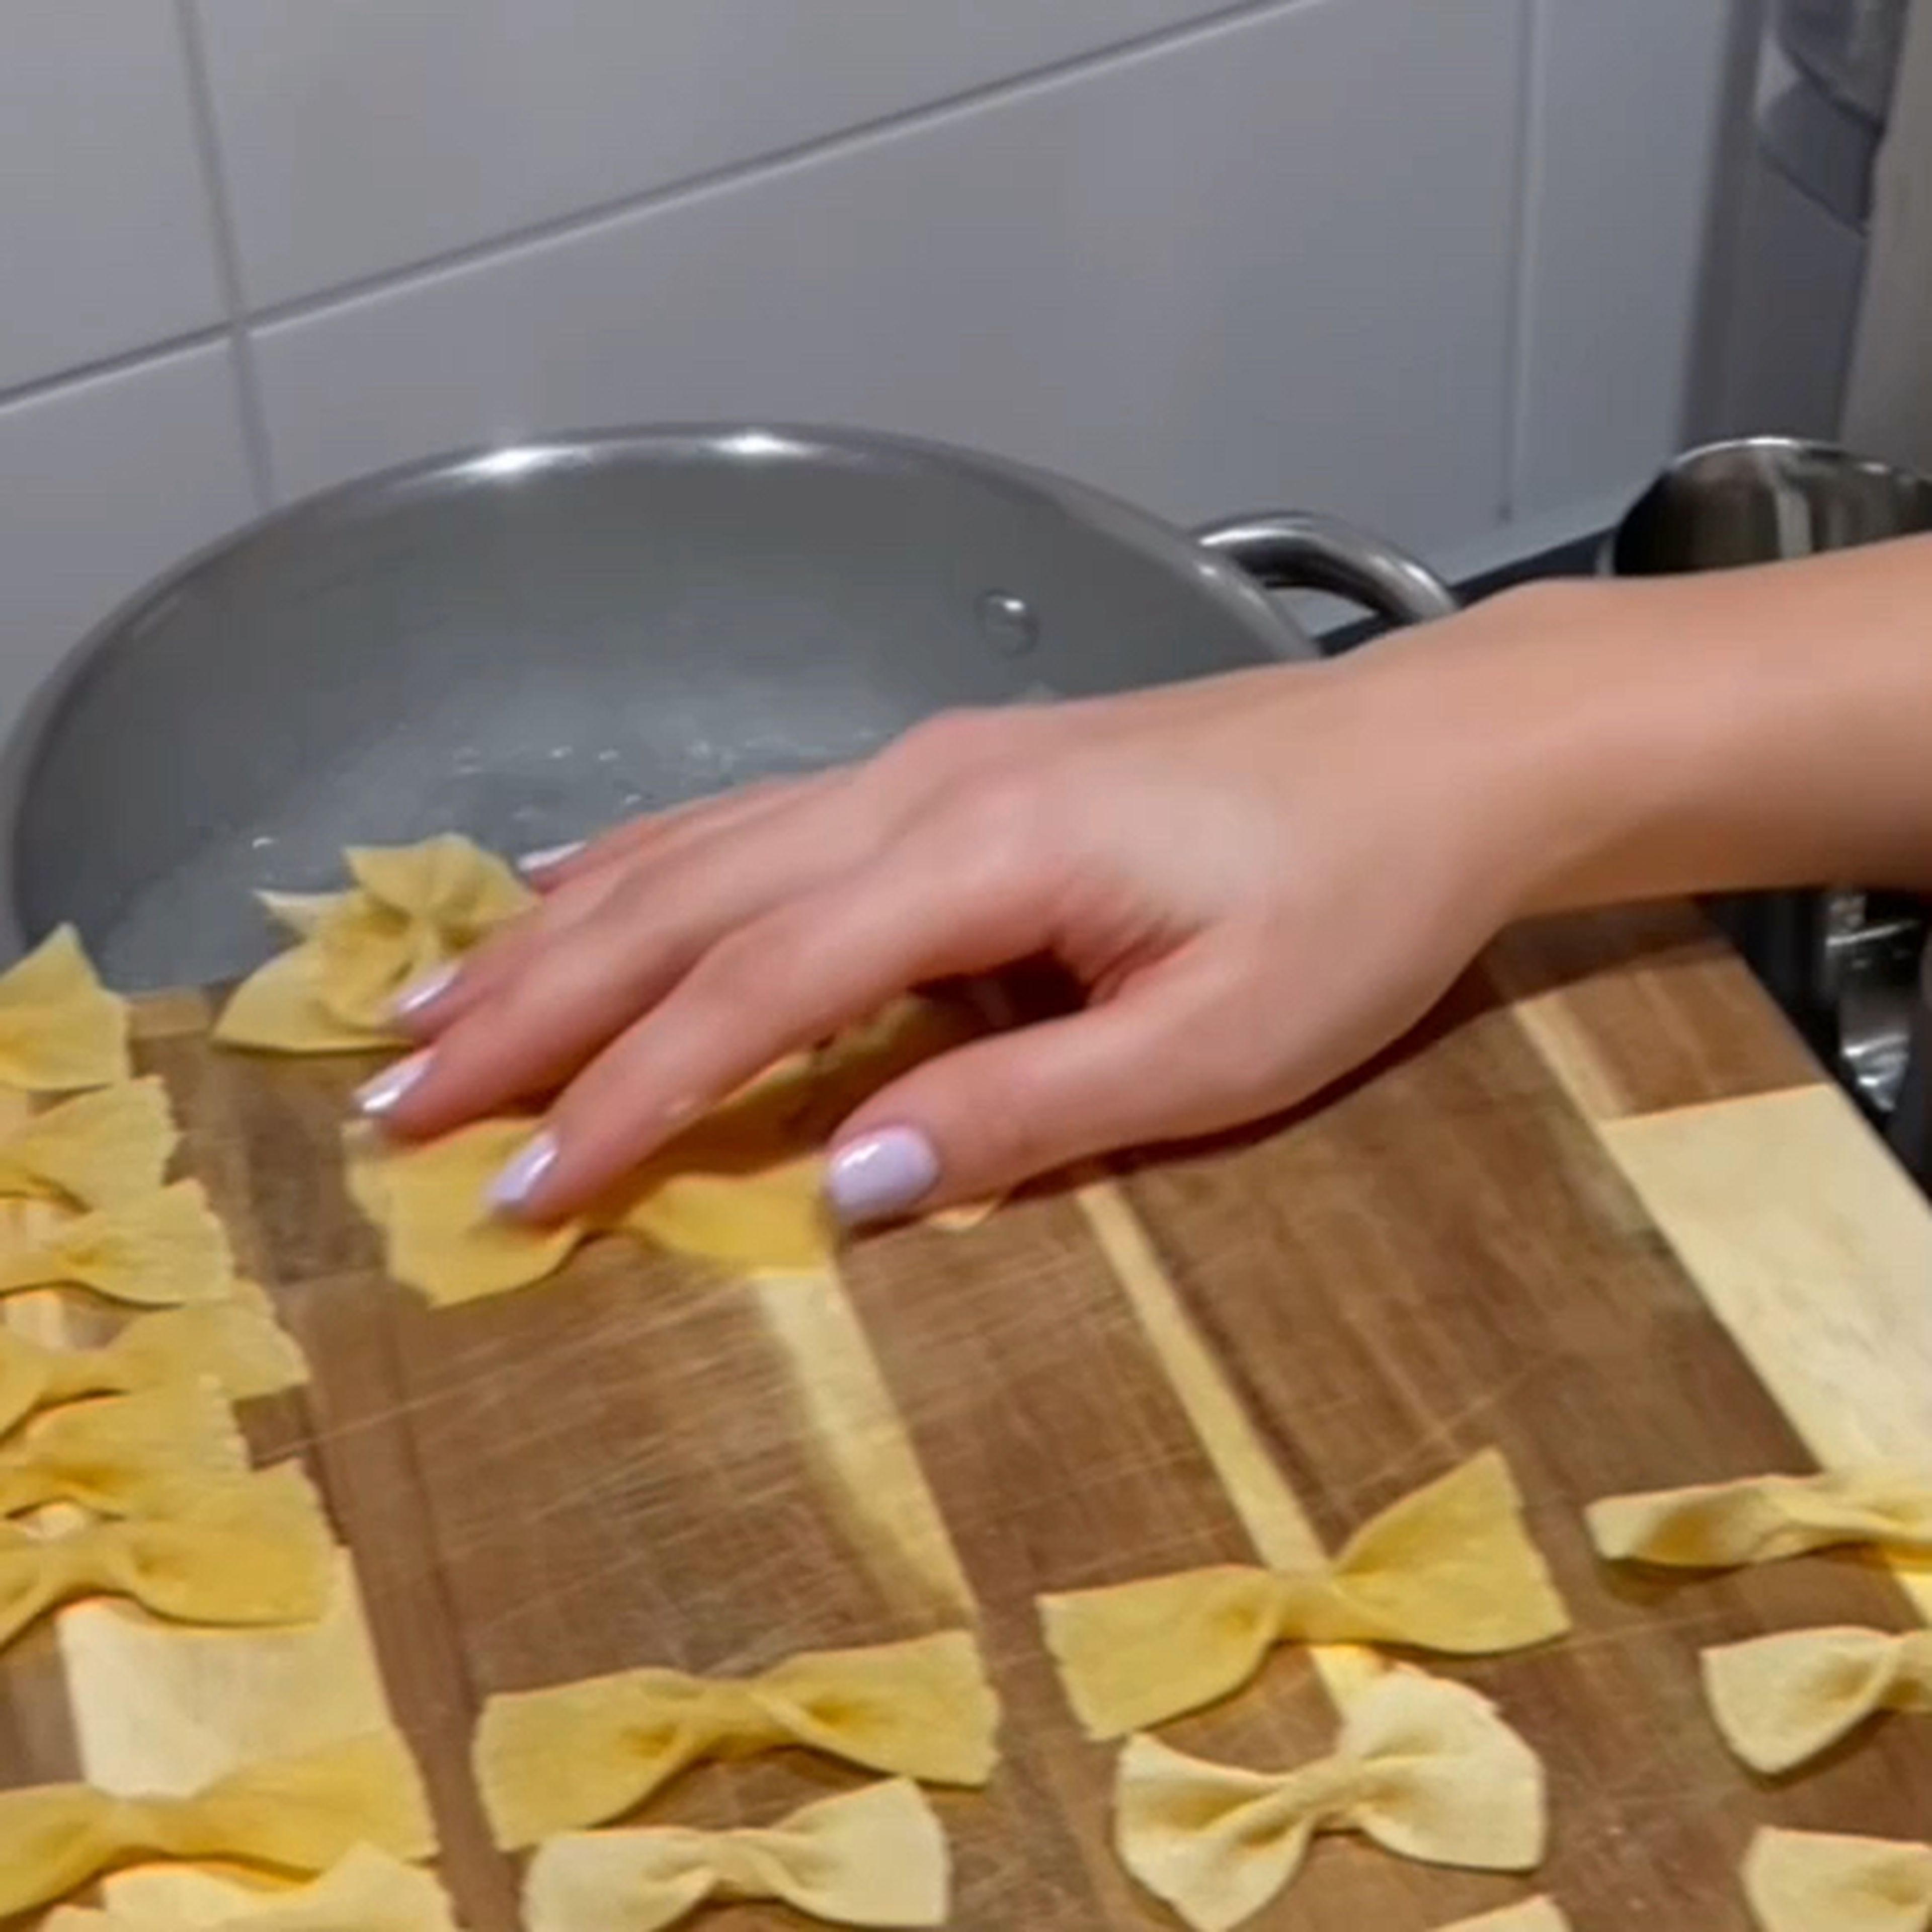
1605, 1214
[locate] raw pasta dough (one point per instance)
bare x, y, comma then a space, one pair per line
164, 1708
442, 1237
875, 1856
1533, 1915
163, 1251
237, 1345
253, 1549
1781, 1700
132, 1455
558, 1759
297, 1815
1424, 1768
740, 1188
1764, 1519
1448, 1568
102, 1149
1819, 1882
60, 1028
411, 909
367, 1890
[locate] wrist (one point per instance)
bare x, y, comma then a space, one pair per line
1531, 713
1619, 742
1728, 731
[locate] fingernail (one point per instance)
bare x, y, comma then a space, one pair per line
549, 856
513, 1187
879, 1174
378, 1096
424, 992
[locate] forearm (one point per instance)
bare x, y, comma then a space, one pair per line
1728, 731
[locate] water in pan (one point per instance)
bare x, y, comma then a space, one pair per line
200, 921
528, 658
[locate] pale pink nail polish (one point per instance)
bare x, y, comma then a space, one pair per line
424, 992
534, 865
517, 1181
880, 1175
379, 1096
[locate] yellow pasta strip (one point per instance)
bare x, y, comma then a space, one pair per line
366, 1890
557, 1759
410, 909
237, 1345
876, 1856
100, 1149
253, 1549
1423, 1768
60, 1028
128, 1455
739, 1188
296, 1816
1448, 1568
165, 1250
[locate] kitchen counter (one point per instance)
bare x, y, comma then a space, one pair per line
1606, 1213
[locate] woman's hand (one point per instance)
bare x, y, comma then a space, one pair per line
1258, 880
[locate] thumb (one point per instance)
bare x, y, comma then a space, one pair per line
1162, 1058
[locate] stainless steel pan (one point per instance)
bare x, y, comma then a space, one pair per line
527, 644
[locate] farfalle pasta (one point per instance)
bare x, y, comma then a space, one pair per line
236, 1345
130, 1455
876, 1856
740, 1188
1533, 1915
1781, 1700
1449, 1568
105, 1149
555, 1760
365, 1890
1766, 1519
442, 1237
165, 1250
60, 1028
253, 1549
409, 910
1822, 1881
1424, 1768
297, 1815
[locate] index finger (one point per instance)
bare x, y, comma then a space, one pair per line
788, 980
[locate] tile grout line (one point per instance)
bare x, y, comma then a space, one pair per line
238, 331
251, 408
120, 364
615, 209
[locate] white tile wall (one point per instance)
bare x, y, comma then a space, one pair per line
103, 483
363, 133
1210, 253
1122, 274
106, 242
1620, 185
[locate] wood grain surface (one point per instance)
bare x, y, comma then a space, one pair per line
1541, 1225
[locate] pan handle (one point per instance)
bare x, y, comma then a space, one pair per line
1296, 550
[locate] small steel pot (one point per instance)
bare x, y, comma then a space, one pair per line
1762, 498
